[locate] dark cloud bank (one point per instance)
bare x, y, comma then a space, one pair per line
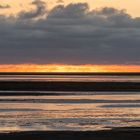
70, 34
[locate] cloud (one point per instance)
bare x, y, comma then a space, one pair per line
71, 34
60, 1
4, 6
39, 11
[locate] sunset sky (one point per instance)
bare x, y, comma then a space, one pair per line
70, 35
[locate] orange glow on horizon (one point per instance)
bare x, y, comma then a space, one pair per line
68, 68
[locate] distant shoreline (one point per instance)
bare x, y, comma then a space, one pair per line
73, 73
114, 134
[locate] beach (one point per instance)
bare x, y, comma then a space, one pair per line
73, 106
114, 134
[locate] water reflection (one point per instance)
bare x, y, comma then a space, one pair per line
118, 110
97, 78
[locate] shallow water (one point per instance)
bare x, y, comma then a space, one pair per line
93, 111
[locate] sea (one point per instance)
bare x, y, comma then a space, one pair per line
76, 111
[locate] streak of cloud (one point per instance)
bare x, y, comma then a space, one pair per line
39, 11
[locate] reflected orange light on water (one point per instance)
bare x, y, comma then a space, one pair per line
68, 68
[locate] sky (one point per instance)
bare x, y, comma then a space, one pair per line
132, 6
70, 35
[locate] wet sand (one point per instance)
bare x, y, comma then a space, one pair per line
114, 134
68, 86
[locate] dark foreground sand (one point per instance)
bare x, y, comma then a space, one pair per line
115, 134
